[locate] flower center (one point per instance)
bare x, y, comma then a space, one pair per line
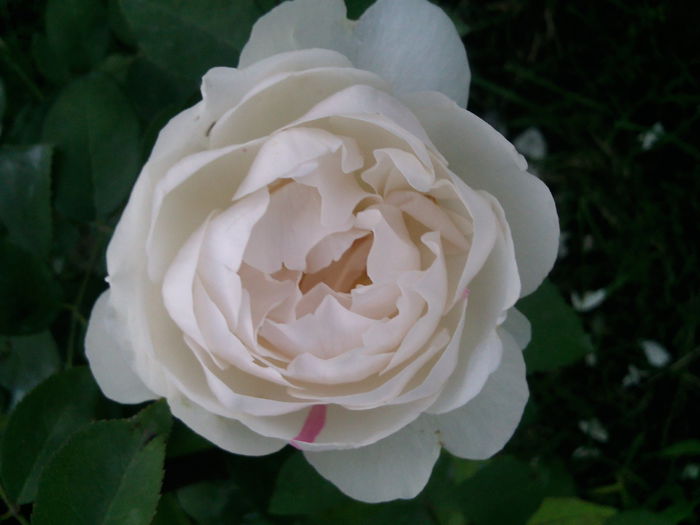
345, 273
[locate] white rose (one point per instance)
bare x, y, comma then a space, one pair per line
325, 251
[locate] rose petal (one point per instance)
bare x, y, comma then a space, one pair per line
224, 245
413, 43
428, 213
298, 153
312, 299
392, 252
483, 235
339, 190
302, 24
178, 285
482, 427
518, 326
288, 230
222, 344
225, 87
226, 433
381, 390
282, 99
331, 248
430, 382
370, 104
491, 293
328, 332
486, 160
422, 342
215, 255
347, 429
188, 192
396, 467
269, 296
177, 139
250, 399
110, 356
348, 367
183, 135
415, 46
397, 170
377, 301
431, 286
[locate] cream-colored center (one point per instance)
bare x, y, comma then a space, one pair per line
345, 273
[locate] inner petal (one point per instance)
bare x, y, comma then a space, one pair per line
290, 227
345, 273
394, 252
330, 331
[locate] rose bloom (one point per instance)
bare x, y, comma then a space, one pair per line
325, 252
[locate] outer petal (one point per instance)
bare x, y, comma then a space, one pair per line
126, 258
492, 292
396, 467
226, 433
302, 24
487, 161
482, 427
414, 45
518, 326
110, 356
224, 87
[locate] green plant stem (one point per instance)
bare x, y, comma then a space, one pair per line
14, 512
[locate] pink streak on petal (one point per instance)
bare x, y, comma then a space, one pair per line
313, 425
465, 293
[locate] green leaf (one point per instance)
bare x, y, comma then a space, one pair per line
40, 423
97, 135
46, 60
556, 480
504, 491
183, 440
25, 196
110, 472
463, 469
558, 338
301, 490
27, 361
116, 66
442, 492
169, 512
153, 90
154, 420
188, 38
29, 296
638, 517
25, 126
77, 32
210, 502
570, 511
119, 25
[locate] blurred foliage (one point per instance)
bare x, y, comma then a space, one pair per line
607, 438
